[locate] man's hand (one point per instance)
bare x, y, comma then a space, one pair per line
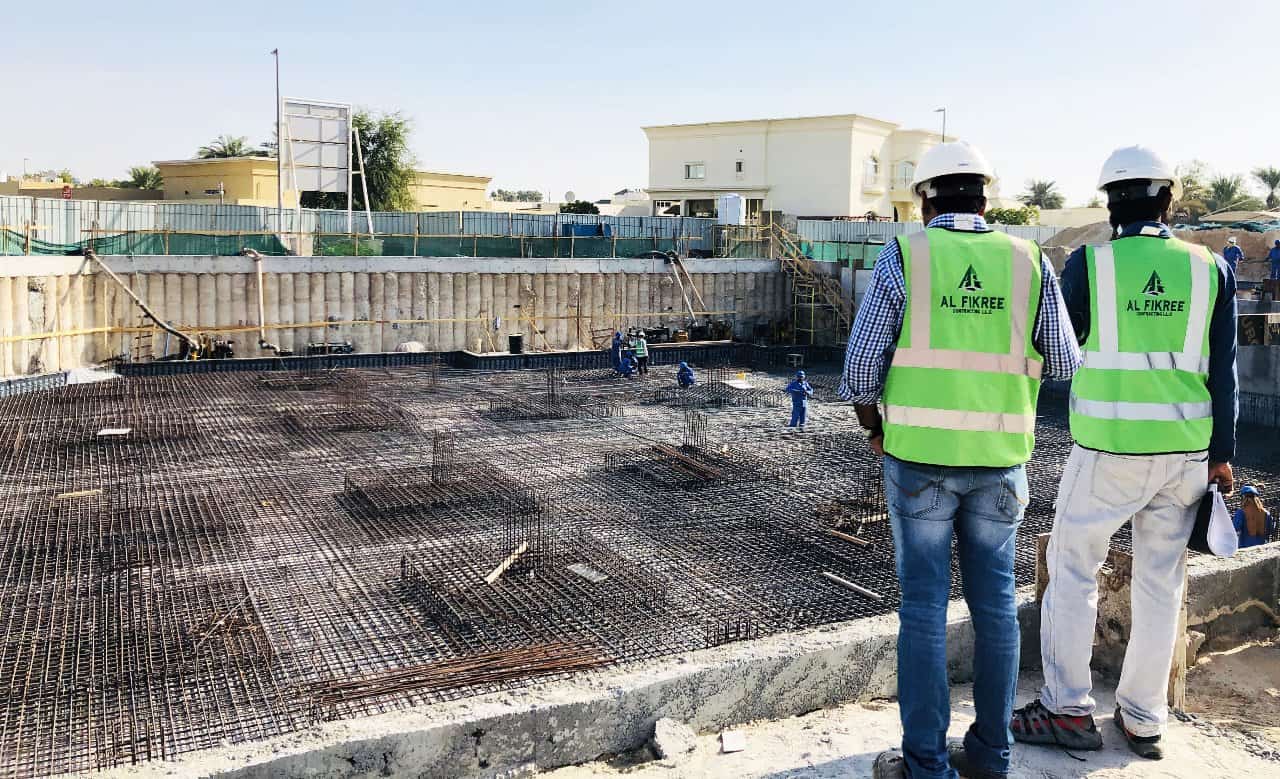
869, 418
1221, 473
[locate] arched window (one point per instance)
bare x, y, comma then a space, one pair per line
903, 173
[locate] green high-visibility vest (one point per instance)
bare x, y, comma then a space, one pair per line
962, 386
642, 348
1143, 388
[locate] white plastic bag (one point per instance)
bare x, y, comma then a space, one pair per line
1223, 540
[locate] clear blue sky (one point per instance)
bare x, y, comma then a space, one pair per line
552, 95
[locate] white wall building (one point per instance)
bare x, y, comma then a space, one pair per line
817, 166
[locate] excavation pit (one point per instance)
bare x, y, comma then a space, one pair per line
258, 564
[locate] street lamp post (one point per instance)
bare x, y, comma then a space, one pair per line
279, 151
943, 111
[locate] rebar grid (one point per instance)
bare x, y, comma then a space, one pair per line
243, 554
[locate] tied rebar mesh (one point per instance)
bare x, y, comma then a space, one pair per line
695, 430
190, 561
442, 455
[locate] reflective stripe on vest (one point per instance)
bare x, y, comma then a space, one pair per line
957, 392
947, 419
1124, 409
1146, 401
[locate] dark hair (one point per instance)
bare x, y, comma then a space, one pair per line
958, 193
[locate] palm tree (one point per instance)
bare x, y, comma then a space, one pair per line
1269, 178
226, 146
1227, 193
144, 177
1042, 194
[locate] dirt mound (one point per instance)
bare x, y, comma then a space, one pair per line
1255, 245
1060, 246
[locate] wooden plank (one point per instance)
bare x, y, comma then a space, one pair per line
510, 560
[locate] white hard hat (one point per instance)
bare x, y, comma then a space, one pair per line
947, 159
1139, 162
1231, 240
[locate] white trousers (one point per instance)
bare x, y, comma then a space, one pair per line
1100, 492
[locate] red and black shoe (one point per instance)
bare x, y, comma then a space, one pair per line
1142, 746
1034, 724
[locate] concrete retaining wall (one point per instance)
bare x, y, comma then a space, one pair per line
58, 313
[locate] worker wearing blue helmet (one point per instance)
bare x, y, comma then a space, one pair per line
800, 392
1253, 522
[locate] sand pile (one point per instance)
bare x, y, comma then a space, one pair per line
1060, 246
1255, 245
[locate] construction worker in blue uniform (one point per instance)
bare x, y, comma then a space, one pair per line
1253, 522
800, 392
615, 350
627, 366
684, 376
1274, 257
1233, 254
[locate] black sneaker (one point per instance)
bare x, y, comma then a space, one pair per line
959, 759
1035, 724
889, 765
1142, 746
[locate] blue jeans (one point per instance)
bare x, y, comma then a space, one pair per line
981, 508
799, 410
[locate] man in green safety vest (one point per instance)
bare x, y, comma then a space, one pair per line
641, 345
1153, 413
958, 326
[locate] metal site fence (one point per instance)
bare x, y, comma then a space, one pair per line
46, 226
855, 244
843, 231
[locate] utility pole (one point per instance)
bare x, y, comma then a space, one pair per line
943, 111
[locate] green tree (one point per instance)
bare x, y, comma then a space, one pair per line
1042, 194
579, 207
226, 146
1190, 206
518, 196
1027, 215
142, 177
1094, 202
1269, 178
389, 166
65, 176
1228, 193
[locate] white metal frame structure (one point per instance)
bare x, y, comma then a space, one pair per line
322, 135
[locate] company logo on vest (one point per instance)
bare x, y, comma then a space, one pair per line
971, 282
1151, 304
971, 304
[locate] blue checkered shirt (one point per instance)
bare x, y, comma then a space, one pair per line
879, 321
